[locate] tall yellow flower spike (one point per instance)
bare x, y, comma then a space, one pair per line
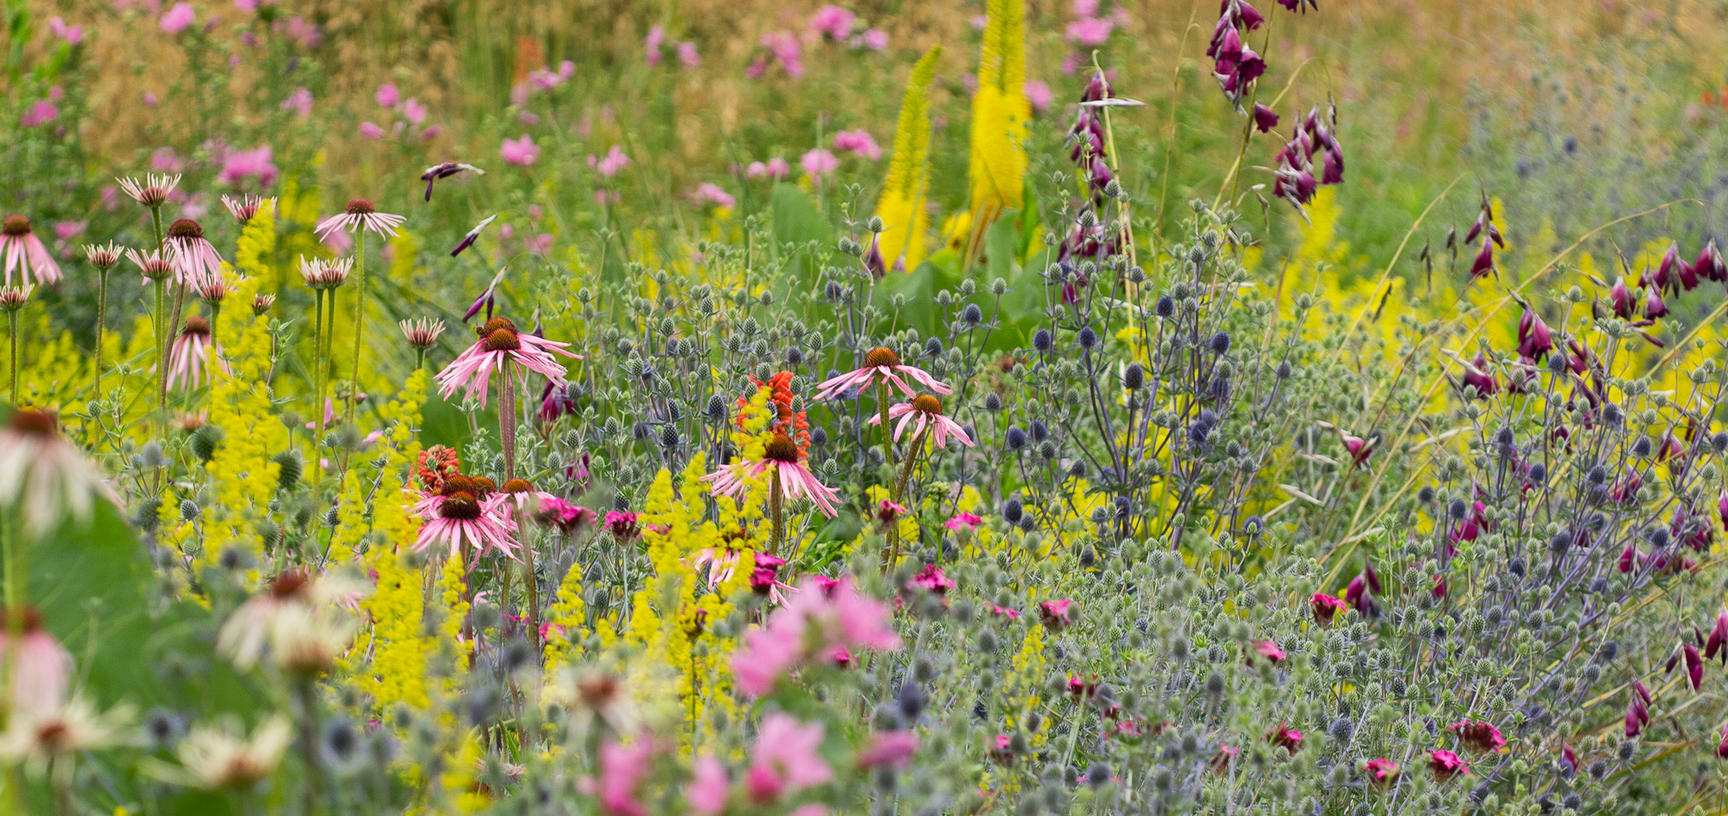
1000, 112
902, 205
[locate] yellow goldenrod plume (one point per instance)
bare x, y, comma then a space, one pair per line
901, 206
999, 116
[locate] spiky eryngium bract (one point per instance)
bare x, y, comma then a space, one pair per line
903, 207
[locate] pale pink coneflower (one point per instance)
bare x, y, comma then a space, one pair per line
322, 274
212, 292
150, 264
423, 332
24, 252
461, 518
359, 216
247, 631
500, 344
781, 458
39, 667
923, 414
722, 563
246, 207
104, 256
153, 191
190, 353
522, 500
194, 257
222, 757
446, 170
44, 479
881, 364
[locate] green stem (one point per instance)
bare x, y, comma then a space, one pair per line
318, 332
912, 452
308, 688
162, 335
101, 316
12, 330
776, 509
359, 315
888, 457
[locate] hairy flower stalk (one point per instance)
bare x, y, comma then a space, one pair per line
359, 217
104, 259
12, 300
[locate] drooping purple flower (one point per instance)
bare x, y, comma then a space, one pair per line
1534, 338
472, 236
1264, 119
445, 170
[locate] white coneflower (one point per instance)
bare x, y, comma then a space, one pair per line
262, 303
222, 757
44, 478
307, 641
423, 332
103, 256
43, 739
152, 265
13, 298
153, 191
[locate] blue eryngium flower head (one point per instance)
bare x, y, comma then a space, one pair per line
1041, 340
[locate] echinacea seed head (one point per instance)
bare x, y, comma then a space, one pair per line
880, 357
195, 325
15, 225
517, 486
493, 325
457, 483
291, 583
781, 449
484, 487
360, 206
461, 505
33, 423
185, 228
924, 403
502, 340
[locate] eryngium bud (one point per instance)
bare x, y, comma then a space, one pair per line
1012, 511
1041, 340
289, 469
1016, 439
1165, 306
1134, 377
1221, 343
1088, 338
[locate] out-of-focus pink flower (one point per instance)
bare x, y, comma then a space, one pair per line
859, 142
874, 39
72, 34
825, 613
706, 792
964, 521
651, 44
256, 163
300, 101
413, 111
371, 130
610, 164
892, 748
775, 168
1090, 32
40, 112
786, 50
521, 152
788, 758
1270, 651
178, 18
687, 55
1038, 94
149, 99
709, 193
832, 22
818, 163
622, 769
387, 95
930, 579
1085, 8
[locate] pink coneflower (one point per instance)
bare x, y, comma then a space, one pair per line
446, 170
1381, 771
457, 517
151, 264
153, 191
44, 479
523, 499
722, 563
194, 257
782, 458
246, 207
24, 252
880, 365
1446, 765
322, 274
358, 216
190, 353
499, 345
423, 332
924, 415
40, 668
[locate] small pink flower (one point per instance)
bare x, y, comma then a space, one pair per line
1090, 32
300, 102
777, 168
1038, 94
818, 163
784, 47
874, 39
178, 18
1269, 650
40, 112
859, 142
1382, 771
964, 521
622, 769
1478, 735
371, 130
1446, 765
687, 55
243, 164
613, 163
788, 758
708, 787
520, 152
930, 579
70, 33
651, 44
832, 22
1325, 607
890, 748
413, 111
709, 193
1056, 615
387, 95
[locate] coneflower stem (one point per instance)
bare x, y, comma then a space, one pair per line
161, 334
318, 332
912, 452
308, 688
359, 315
507, 437
887, 455
777, 511
101, 315
12, 331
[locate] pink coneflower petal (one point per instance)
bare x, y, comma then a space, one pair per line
24, 252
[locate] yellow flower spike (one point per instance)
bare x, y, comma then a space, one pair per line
1000, 113
902, 206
